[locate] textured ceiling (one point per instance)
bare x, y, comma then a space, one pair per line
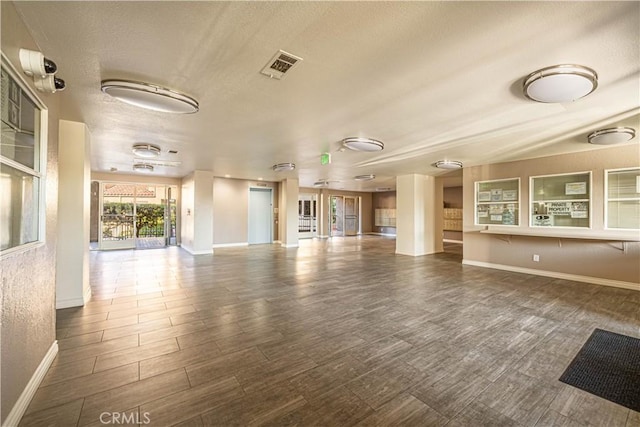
433, 80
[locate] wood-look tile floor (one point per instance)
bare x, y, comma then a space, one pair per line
334, 333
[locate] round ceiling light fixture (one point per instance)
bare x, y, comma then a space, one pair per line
448, 164
362, 144
611, 136
283, 167
146, 150
150, 96
143, 167
368, 177
560, 83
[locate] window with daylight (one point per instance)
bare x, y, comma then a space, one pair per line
22, 163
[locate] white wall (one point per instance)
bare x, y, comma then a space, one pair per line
197, 213
74, 207
288, 213
186, 213
418, 215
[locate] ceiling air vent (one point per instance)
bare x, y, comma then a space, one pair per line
280, 64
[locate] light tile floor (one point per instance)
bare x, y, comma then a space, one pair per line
333, 333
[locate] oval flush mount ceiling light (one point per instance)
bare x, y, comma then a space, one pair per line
362, 144
448, 164
150, 96
283, 167
368, 177
146, 150
611, 136
560, 83
143, 167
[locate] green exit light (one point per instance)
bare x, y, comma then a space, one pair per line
325, 159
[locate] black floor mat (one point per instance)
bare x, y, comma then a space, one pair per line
608, 365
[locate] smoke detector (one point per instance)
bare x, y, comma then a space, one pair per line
281, 63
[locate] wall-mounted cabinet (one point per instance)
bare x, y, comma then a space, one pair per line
622, 204
561, 200
497, 202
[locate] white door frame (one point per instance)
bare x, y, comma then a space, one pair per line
312, 197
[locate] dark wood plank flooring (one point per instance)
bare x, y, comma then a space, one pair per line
334, 333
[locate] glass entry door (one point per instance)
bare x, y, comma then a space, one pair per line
306, 215
137, 216
336, 216
117, 221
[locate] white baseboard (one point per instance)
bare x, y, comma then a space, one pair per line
381, 234
322, 236
452, 241
18, 410
557, 275
192, 252
230, 245
69, 302
278, 242
292, 245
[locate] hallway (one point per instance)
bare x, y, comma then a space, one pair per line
335, 332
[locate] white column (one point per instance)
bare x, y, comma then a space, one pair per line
289, 213
418, 215
74, 209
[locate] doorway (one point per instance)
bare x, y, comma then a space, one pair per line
260, 209
344, 216
139, 216
307, 216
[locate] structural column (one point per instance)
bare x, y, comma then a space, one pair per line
418, 215
197, 213
74, 208
289, 213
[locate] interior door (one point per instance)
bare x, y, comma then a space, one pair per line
350, 216
117, 219
260, 216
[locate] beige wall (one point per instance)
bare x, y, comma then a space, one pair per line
323, 207
384, 200
28, 315
591, 258
452, 197
231, 209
